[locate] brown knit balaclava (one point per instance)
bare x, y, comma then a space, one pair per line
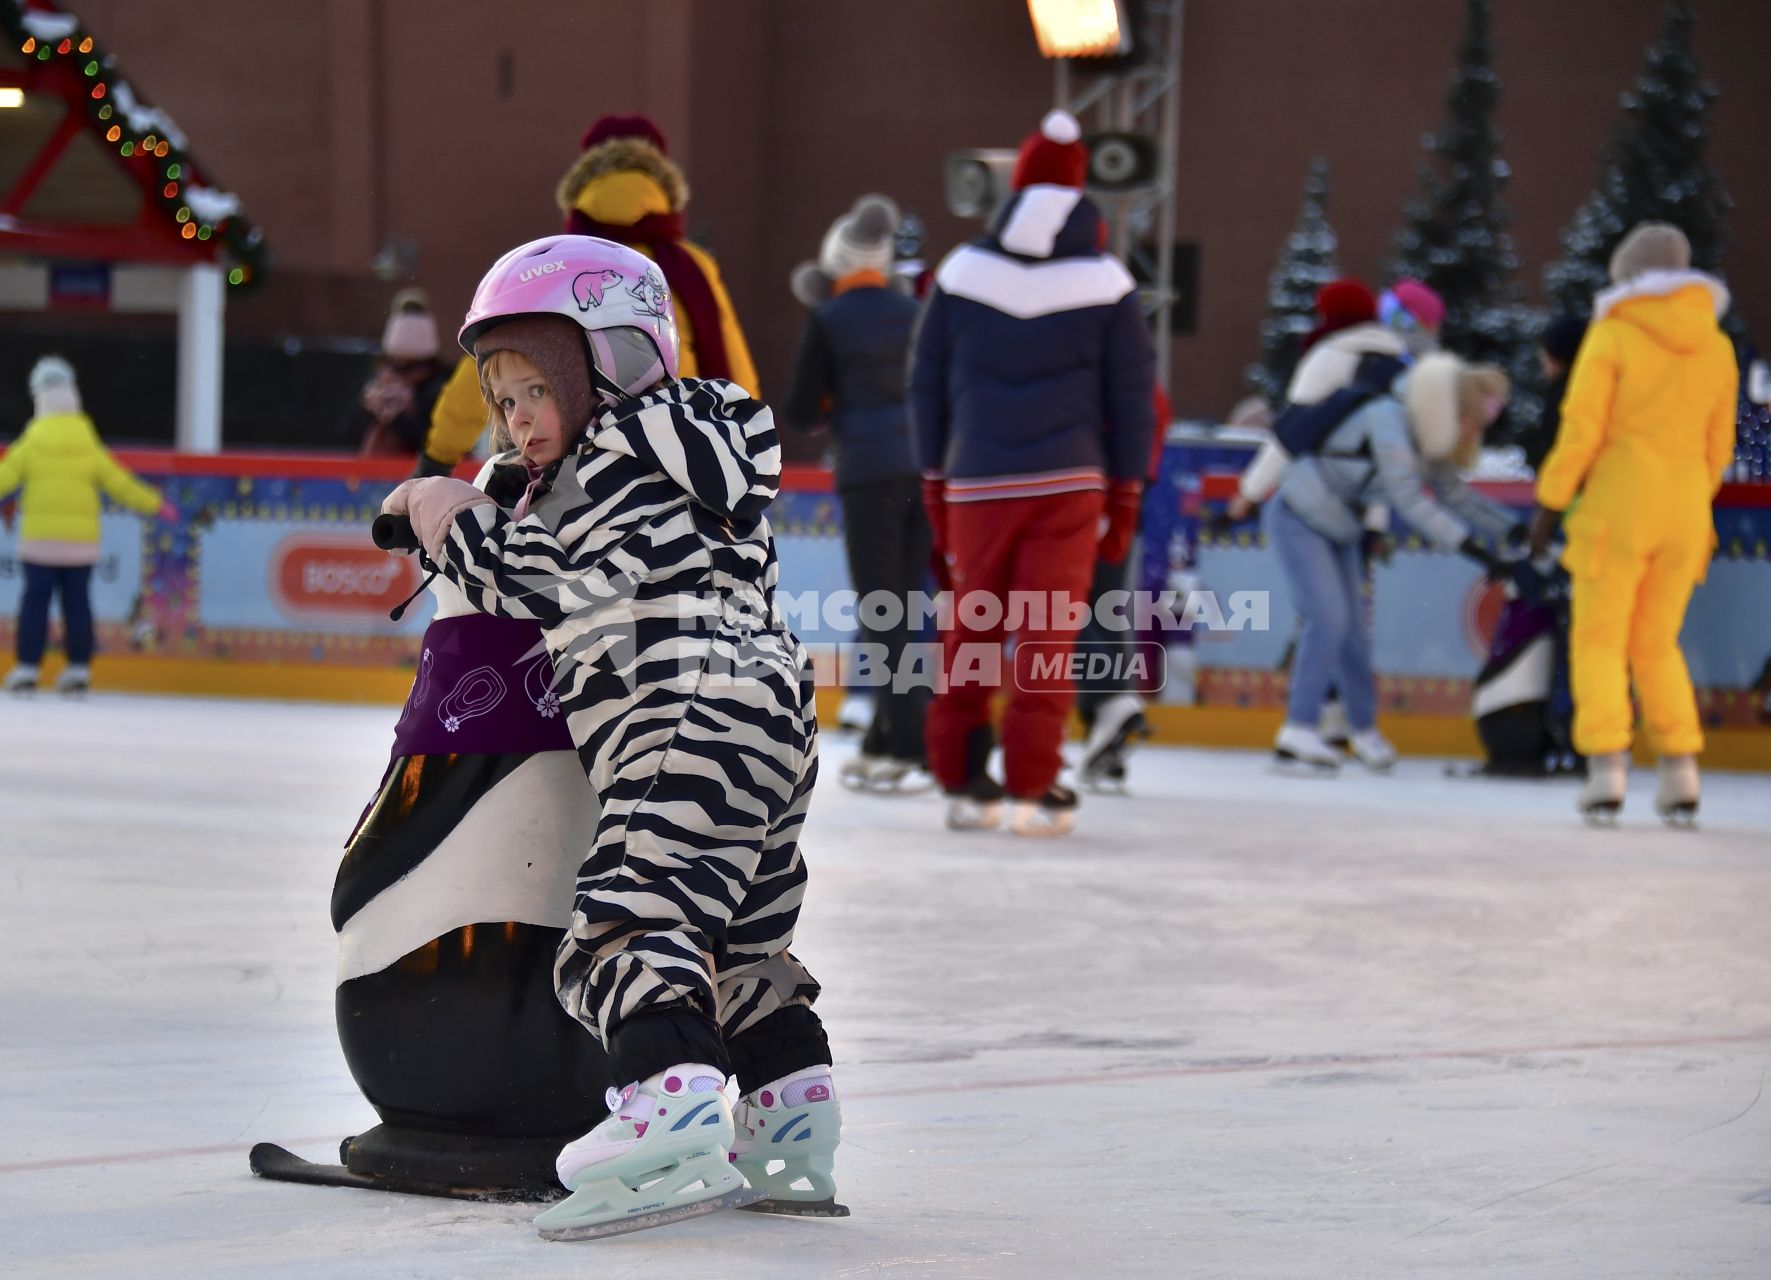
555, 346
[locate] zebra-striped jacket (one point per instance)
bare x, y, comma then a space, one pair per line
649, 563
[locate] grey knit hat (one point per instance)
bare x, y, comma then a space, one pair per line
1650, 246
861, 240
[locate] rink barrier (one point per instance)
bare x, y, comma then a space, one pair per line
267, 587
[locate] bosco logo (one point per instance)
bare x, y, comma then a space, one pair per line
320, 575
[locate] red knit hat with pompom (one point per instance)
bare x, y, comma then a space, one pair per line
608, 127
1344, 303
1054, 154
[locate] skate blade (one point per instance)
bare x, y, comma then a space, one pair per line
734, 1199
1040, 829
1680, 817
827, 1208
1289, 766
901, 787
1602, 816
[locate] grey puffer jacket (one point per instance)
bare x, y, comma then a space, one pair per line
1372, 458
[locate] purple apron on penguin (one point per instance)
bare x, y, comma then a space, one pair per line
484, 686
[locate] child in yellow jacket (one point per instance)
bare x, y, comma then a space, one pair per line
62, 466
1647, 432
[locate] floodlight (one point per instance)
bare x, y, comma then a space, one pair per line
1081, 28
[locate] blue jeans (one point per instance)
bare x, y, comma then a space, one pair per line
1327, 588
43, 581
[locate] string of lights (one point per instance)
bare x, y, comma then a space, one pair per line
143, 137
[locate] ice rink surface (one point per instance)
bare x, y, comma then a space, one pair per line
1239, 1025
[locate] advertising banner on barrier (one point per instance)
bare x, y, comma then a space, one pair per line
271, 560
1433, 614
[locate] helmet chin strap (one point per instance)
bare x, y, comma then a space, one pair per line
602, 356
611, 394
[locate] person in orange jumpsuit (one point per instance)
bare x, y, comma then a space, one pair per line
1647, 432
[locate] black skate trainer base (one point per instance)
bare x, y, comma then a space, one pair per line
416, 1162
799, 1208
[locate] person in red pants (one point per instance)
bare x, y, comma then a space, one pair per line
1032, 379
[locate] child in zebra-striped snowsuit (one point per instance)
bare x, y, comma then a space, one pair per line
644, 554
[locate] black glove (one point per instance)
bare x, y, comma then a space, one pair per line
1375, 547
1529, 582
1493, 566
429, 466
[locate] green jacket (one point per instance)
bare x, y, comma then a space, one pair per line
63, 466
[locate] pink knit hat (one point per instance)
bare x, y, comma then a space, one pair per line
410, 335
1420, 301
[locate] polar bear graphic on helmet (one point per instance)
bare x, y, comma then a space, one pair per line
588, 286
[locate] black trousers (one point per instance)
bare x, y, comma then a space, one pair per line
887, 537
1091, 692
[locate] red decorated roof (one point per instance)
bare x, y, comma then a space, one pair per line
90, 170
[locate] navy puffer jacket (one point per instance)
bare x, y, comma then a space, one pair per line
1033, 371
852, 354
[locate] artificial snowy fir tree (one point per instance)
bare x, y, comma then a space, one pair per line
1455, 238
1654, 171
1305, 264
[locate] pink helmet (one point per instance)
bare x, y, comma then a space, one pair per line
594, 283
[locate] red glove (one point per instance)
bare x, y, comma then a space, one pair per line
1124, 502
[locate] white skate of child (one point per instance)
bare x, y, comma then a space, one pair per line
663, 1154
791, 1126
21, 680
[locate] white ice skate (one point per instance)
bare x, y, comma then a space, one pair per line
787, 1134
1119, 725
1676, 800
1052, 814
855, 770
663, 1154
1332, 725
21, 679
1108, 777
1373, 750
977, 808
856, 712
1601, 799
1300, 749
892, 777
74, 681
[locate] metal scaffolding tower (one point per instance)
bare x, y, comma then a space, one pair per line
1142, 96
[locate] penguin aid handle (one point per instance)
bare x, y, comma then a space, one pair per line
393, 533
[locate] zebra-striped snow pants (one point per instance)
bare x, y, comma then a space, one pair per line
691, 892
